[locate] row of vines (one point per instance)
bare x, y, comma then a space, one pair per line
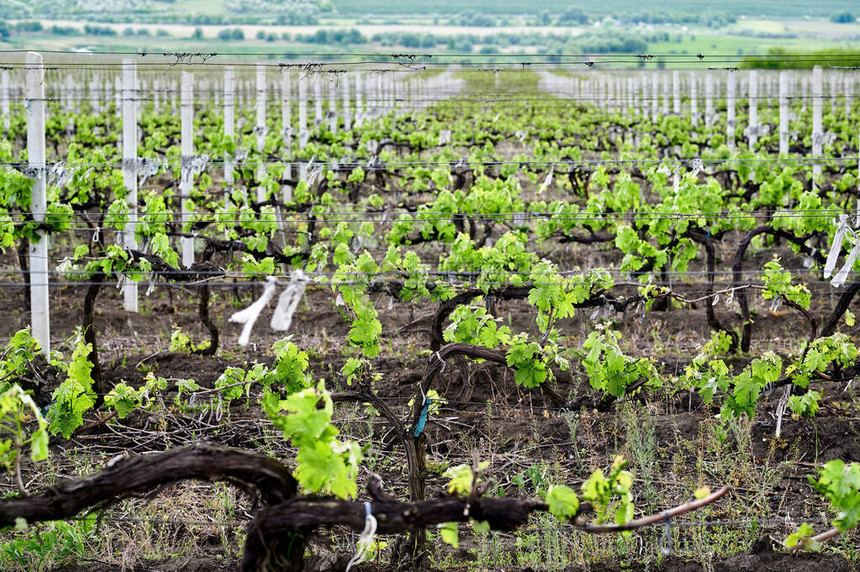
506, 248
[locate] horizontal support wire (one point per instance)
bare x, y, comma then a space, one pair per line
346, 163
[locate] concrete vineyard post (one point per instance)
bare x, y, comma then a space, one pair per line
388, 81
5, 96
624, 85
332, 105
731, 86
676, 92
303, 111
117, 94
709, 100
621, 97
129, 169
667, 89
38, 251
610, 95
359, 100
69, 93
286, 111
117, 88
286, 131
631, 101
318, 110
260, 130
753, 102
817, 124
783, 113
186, 143
347, 119
92, 95
833, 80
655, 97
694, 101
229, 120
377, 94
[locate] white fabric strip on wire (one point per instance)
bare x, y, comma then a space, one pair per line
288, 301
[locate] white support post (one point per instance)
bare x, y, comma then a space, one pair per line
38, 251
303, 111
286, 130
753, 101
260, 106
676, 92
5, 100
318, 109
359, 100
817, 124
261, 130
709, 99
69, 94
379, 95
92, 93
286, 112
655, 97
175, 102
630, 99
332, 105
186, 143
731, 86
129, 169
374, 94
783, 113
610, 95
667, 89
694, 100
229, 119
117, 88
156, 94
117, 94
347, 118
833, 79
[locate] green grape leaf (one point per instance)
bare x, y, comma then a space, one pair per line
449, 534
563, 502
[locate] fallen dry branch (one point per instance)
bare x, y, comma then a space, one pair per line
133, 475
656, 518
276, 536
302, 514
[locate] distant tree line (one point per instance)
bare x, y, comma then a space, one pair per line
779, 58
844, 17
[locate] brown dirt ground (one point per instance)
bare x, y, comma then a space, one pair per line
515, 429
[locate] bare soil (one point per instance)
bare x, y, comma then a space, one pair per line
670, 436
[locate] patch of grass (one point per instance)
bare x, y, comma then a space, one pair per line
641, 448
